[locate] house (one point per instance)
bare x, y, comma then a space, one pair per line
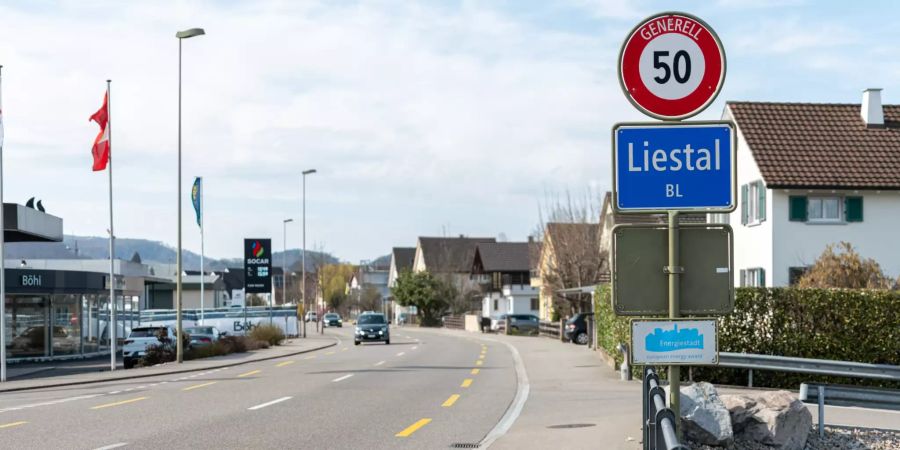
812, 175
450, 260
569, 258
401, 261
504, 271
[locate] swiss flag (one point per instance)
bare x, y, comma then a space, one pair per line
101, 143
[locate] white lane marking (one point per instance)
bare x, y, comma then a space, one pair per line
142, 387
52, 402
415, 347
379, 363
111, 446
114, 392
401, 353
342, 378
254, 408
515, 408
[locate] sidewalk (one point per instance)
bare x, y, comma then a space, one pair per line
576, 401
291, 347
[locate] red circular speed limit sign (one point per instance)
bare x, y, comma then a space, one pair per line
672, 66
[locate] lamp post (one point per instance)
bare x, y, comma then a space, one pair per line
303, 255
284, 273
179, 347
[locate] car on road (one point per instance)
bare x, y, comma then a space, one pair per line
312, 316
203, 335
576, 328
139, 339
372, 327
520, 323
333, 320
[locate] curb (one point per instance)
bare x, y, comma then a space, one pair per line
173, 372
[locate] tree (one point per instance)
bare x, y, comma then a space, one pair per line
333, 279
423, 291
370, 299
840, 266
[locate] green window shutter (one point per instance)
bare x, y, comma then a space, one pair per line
853, 209
762, 278
744, 218
798, 208
761, 206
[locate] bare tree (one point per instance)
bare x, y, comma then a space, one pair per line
840, 266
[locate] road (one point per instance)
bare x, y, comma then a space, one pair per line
425, 390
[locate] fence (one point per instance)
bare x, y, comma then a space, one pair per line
457, 322
550, 329
659, 421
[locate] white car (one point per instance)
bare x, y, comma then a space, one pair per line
312, 316
139, 339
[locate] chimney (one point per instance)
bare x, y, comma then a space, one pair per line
872, 112
530, 239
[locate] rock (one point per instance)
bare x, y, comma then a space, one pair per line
775, 418
704, 418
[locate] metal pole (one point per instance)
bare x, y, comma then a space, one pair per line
674, 270
284, 274
2, 256
303, 259
202, 251
821, 411
179, 350
112, 236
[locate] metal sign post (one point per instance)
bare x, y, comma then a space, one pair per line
671, 67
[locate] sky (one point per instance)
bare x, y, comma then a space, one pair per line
421, 118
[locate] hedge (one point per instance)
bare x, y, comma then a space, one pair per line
843, 325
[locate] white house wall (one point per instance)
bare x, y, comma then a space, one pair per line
798, 244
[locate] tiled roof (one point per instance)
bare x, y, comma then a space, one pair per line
403, 257
450, 254
505, 256
826, 146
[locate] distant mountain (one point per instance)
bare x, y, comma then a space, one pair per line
92, 247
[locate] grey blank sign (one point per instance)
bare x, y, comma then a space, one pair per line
640, 287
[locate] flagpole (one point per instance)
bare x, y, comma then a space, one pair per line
202, 275
112, 237
2, 255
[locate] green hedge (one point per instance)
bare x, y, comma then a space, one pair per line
845, 325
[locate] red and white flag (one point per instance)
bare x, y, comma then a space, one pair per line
101, 143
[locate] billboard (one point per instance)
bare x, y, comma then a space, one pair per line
257, 266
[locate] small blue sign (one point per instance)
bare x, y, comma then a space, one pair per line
670, 341
685, 166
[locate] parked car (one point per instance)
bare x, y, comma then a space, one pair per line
312, 316
203, 335
333, 320
519, 323
139, 339
576, 328
372, 327
402, 318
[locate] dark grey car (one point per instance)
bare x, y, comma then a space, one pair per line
521, 323
371, 327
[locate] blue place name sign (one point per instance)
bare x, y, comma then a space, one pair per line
684, 166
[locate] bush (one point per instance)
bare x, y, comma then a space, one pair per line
207, 351
271, 334
233, 344
834, 324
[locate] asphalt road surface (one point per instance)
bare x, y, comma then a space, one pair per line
425, 390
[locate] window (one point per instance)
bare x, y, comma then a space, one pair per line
755, 277
753, 203
535, 305
496, 305
795, 273
823, 209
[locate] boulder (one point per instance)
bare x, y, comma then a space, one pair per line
704, 418
775, 418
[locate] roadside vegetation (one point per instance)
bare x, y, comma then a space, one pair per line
261, 337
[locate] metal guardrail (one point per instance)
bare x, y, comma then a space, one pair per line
659, 421
810, 366
842, 395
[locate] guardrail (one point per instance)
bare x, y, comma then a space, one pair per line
805, 365
550, 329
659, 421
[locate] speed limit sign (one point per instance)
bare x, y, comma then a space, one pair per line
672, 66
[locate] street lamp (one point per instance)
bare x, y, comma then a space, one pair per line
303, 256
284, 274
179, 347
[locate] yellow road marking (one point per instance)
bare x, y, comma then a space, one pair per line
450, 401
475, 371
481, 356
310, 357
13, 424
467, 382
252, 372
330, 353
413, 428
344, 349
285, 363
196, 386
123, 402
479, 362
